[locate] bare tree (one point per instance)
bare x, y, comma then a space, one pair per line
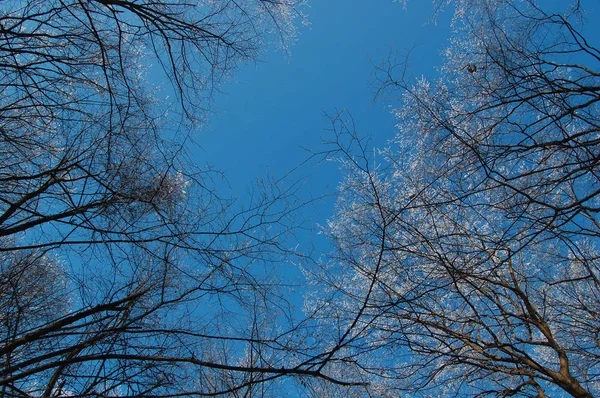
466, 258
123, 272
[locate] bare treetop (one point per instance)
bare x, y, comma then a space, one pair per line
123, 272
467, 257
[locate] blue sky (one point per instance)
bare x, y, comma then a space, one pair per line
271, 109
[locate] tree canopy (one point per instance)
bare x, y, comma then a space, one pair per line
466, 256
123, 271
463, 257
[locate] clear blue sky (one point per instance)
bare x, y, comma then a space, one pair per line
269, 110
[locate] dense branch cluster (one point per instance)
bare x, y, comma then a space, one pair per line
468, 257
123, 273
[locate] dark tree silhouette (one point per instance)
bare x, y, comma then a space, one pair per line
123, 272
466, 259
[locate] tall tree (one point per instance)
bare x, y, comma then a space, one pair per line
466, 255
122, 271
